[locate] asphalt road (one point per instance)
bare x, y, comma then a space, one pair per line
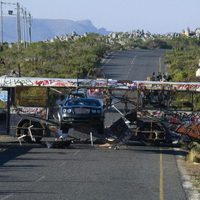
135, 172
134, 65
83, 172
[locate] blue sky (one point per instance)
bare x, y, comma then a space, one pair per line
156, 16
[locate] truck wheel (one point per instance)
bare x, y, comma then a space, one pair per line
37, 130
100, 129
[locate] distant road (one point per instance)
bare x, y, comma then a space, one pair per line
134, 64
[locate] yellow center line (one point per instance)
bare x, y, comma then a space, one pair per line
161, 177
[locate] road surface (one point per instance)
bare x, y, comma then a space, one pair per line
134, 172
134, 65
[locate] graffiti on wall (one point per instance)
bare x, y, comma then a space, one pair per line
104, 83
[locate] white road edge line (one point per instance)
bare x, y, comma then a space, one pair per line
133, 60
131, 63
75, 153
39, 179
62, 164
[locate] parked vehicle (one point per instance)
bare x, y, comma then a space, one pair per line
81, 93
82, 111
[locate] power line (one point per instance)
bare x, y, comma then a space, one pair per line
24, 23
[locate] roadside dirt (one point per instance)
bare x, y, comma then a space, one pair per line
193, 170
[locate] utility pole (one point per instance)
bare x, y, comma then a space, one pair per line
1, 25
22, 17
24, 27
18, 26
26, 24
29, 28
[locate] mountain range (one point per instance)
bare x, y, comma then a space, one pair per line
45, 29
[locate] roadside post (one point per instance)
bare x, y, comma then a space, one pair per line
91, 138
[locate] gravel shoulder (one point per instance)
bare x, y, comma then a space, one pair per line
190, 175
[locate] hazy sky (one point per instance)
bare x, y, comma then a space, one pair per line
156, 16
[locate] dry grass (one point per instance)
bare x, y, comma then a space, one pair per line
193, 170
192, 164
193, 156
194, 152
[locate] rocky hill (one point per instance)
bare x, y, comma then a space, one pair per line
43, 29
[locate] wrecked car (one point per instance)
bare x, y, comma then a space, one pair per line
82, 112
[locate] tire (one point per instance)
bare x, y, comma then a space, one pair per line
65, 127
100, 129
37, 132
